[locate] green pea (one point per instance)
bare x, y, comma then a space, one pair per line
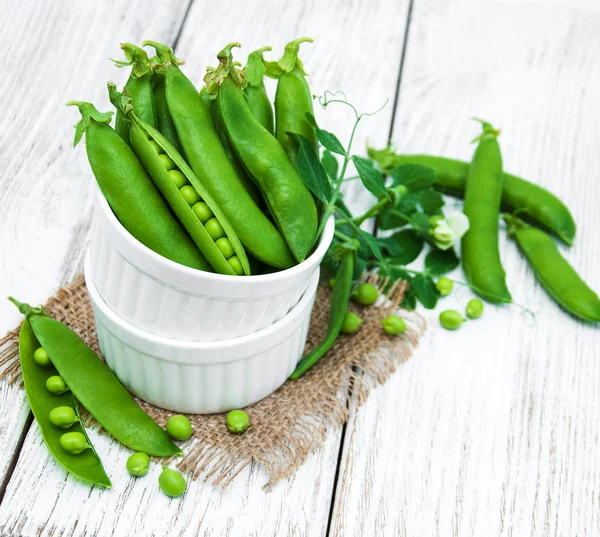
351, 323
214, 229
202, 211
178, 178
179, 427
189, 194
237, 421
331, 283
167, 161
236, 265
171, 482
444, 286
474, 308
451, 319
393, 325
365, 294
138, 464
74, 442
41, 358
156, 147
55, 384
224, 244
63, 417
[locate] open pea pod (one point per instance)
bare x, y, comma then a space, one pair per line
195, 208
87, 464
95, 386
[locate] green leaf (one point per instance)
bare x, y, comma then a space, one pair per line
330, 165
438, 262
389, 219
421, 222
370, 176
311, 170
430, 201
409, 302
327, 139
402, 247
425, 290
386, 158
413, 176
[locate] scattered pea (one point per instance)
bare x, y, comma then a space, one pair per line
225, 246
73, 442
138, 464
178, 178
365, 294
189, 194
40, 357
202, 211
237, 421
171, 482
351, 323
236, 265
179, 427
156, 147
444, 286
393, 325
62, 416
331, 283
55, 384
167, 161
214, 228
474, 308
451, 319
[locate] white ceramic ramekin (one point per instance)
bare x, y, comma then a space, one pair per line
171, 300
202, 377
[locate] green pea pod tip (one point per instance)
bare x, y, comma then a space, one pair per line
164, 53
255, 66
89, 113
488, 132
137, 58
290, 59
213, 79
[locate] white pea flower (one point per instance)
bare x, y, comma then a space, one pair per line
446, 232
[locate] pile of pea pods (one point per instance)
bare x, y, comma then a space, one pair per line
205, 177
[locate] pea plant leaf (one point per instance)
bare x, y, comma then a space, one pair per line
311, 170
413, 176
430, 201
327, 139
370, 176
330, 165
403, 247
438, 262
409, 302
425, 290
420, 220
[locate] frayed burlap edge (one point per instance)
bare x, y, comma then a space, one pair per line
292, 422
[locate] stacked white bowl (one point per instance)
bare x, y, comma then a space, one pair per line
193, 341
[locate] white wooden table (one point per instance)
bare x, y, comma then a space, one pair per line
492, 430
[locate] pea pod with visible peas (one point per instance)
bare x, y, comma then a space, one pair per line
130, 193
93, 384
289, 201
553, 271
185, 194
208, 159
256, 93
87, 465
293, 99
480, 253
139, 87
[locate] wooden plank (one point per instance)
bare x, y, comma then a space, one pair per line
299, 506
492, 430
53, 52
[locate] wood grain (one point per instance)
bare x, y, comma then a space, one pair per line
493, 430
343, 32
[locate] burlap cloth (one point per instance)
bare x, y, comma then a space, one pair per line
291, 423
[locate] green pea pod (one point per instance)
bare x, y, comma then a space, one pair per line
530, 201
553, 271
293, 99
208, 159
141, 136
164, 121
96, 387
289, 201
87, 465
255, 91
337, 313
139, 87
233, 159
483, 196
130, 192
